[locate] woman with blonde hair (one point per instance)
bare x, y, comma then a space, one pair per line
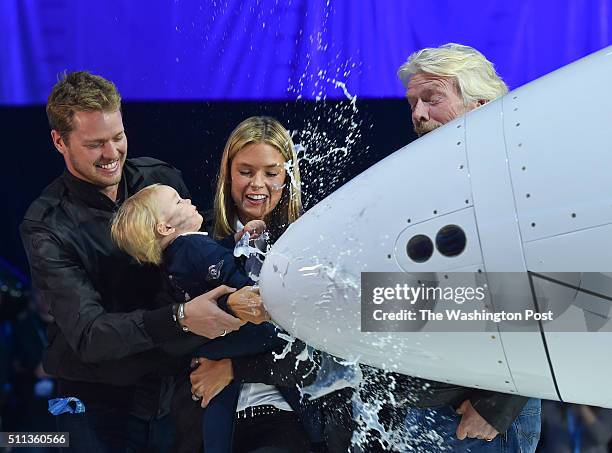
259, 179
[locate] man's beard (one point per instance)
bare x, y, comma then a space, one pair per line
424, 127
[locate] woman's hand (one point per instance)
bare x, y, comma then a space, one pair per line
246, 303
210, 377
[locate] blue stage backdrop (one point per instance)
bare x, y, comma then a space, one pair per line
279, 49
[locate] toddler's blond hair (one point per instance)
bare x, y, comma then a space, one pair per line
133, 227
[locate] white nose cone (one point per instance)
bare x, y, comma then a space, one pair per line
322, 299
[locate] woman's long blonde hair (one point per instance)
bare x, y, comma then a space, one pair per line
258, 129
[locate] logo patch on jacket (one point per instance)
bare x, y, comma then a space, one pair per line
214, 271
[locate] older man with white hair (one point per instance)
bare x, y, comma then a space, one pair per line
442, 84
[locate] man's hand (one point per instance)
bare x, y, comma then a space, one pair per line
204, 318
208, 379
473, 425
247, 304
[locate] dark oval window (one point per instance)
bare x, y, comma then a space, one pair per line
420, 248
450, 240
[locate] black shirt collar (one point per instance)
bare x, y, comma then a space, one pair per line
131, 181
90, 194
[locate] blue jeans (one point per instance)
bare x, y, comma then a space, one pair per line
218, 417
434, 430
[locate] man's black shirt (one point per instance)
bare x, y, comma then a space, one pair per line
110, 313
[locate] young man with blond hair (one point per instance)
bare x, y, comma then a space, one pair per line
110, 314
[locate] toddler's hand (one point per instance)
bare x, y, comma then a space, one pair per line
254, 227
246, 303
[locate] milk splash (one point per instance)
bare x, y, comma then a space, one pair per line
253, 261
328, 144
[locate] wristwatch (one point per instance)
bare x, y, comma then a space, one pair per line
178, 314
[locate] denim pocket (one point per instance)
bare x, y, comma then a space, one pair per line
527, 427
